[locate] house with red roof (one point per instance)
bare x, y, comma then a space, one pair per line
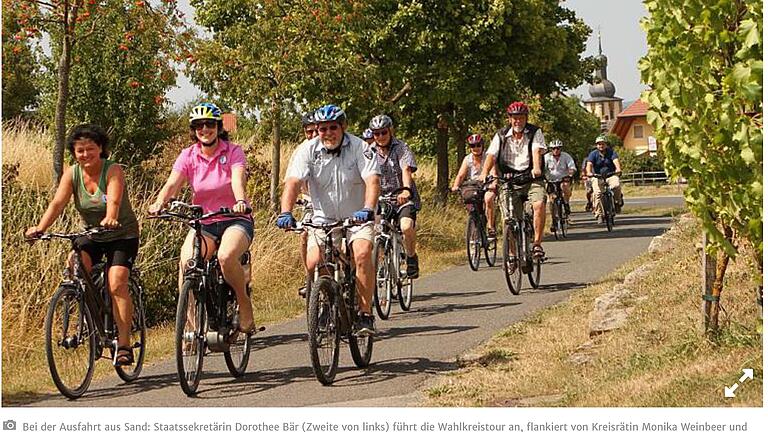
632, 127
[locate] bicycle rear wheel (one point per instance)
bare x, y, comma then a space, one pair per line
473, 243
512, 271
490, 250
323, 329
563, 221
608, 211
70, 342
405, 283
382, 295
138, 333
190, 336
239, 351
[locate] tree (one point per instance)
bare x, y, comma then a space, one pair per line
19, 66
69, 24
273, 55
704, 66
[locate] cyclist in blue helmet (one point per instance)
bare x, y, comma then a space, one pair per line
343, 179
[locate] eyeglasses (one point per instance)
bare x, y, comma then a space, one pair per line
325, 128
198, 125
310, 131
381, 132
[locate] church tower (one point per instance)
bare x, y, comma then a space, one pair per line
602, 102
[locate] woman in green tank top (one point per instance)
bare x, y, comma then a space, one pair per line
99, 191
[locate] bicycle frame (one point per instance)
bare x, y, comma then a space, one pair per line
522, 227
339, 264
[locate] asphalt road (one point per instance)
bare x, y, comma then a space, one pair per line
453, 311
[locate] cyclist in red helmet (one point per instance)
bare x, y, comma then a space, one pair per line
471, 168
518, 149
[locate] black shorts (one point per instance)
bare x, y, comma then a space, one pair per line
118, 252
216, 230
409, 211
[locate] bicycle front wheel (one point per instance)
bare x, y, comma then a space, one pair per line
405, 283
608, 211
323, 329
382, 295
490, 250
563, 221
138, 334
512, 270
473, 243
190, 336
70, 342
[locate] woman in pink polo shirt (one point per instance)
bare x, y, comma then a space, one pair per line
215, 170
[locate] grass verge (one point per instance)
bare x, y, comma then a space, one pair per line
660, 357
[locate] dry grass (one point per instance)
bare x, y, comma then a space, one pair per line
276, 268
660, 358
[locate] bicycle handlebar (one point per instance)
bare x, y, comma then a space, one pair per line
396, 192
346, 223
606, 175
69, 236
194, 209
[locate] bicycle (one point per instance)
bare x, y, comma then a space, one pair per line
606, 200
207, 312
518, 259
473, 193
559, 212
390, 259
333, 306
79, 323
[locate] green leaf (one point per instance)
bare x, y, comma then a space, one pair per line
748, 155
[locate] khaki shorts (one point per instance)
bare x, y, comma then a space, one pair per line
536, 193
364, 232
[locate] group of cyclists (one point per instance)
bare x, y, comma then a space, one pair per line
342, 176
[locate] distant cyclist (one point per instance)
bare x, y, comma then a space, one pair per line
559, 166
343, 179
518, 149
471, 169
308, 125
397, 165
604, 160
310, 131
587, 185
368, 136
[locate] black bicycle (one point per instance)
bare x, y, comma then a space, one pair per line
606, 200
207, 310
389, 257
473, 194
518, 235
79, 324
559, 211
333, 306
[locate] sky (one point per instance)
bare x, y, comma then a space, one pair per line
622, 39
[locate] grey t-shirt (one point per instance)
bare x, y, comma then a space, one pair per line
336, 182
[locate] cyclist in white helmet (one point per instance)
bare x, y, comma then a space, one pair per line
559, 166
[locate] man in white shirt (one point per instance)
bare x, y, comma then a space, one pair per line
559, 167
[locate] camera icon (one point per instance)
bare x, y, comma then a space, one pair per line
9, 425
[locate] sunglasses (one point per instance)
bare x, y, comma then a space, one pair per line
310, 131
475, 145
325, 128
381, 133
198, 125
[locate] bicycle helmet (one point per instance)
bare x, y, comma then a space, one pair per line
555, 144
367, 134
517, 108
475, 139
329, 113
205, 111
380, 122
308, 119
601, 138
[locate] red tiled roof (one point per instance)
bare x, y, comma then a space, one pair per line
637, 109
230, 122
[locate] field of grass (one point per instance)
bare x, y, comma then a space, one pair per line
32, 272
659, 358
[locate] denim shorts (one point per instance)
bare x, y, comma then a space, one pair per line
216, 229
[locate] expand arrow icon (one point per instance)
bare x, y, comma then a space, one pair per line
730, 391
748, 373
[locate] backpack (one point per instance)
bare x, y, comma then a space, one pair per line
501, 165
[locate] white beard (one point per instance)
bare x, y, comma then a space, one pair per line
518, 129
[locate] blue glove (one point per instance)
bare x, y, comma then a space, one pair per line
363, 215
286, 220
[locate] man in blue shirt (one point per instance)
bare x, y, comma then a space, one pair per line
604, 160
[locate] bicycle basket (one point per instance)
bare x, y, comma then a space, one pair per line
471, 192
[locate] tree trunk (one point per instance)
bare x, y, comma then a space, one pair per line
718, 284
708, 264
65, 63
275, 178
459, 140
442, 159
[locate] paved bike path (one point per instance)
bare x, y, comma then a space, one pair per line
453, 311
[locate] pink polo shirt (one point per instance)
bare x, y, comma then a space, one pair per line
211, 178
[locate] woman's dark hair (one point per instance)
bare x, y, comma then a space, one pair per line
223, 135
92, 132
